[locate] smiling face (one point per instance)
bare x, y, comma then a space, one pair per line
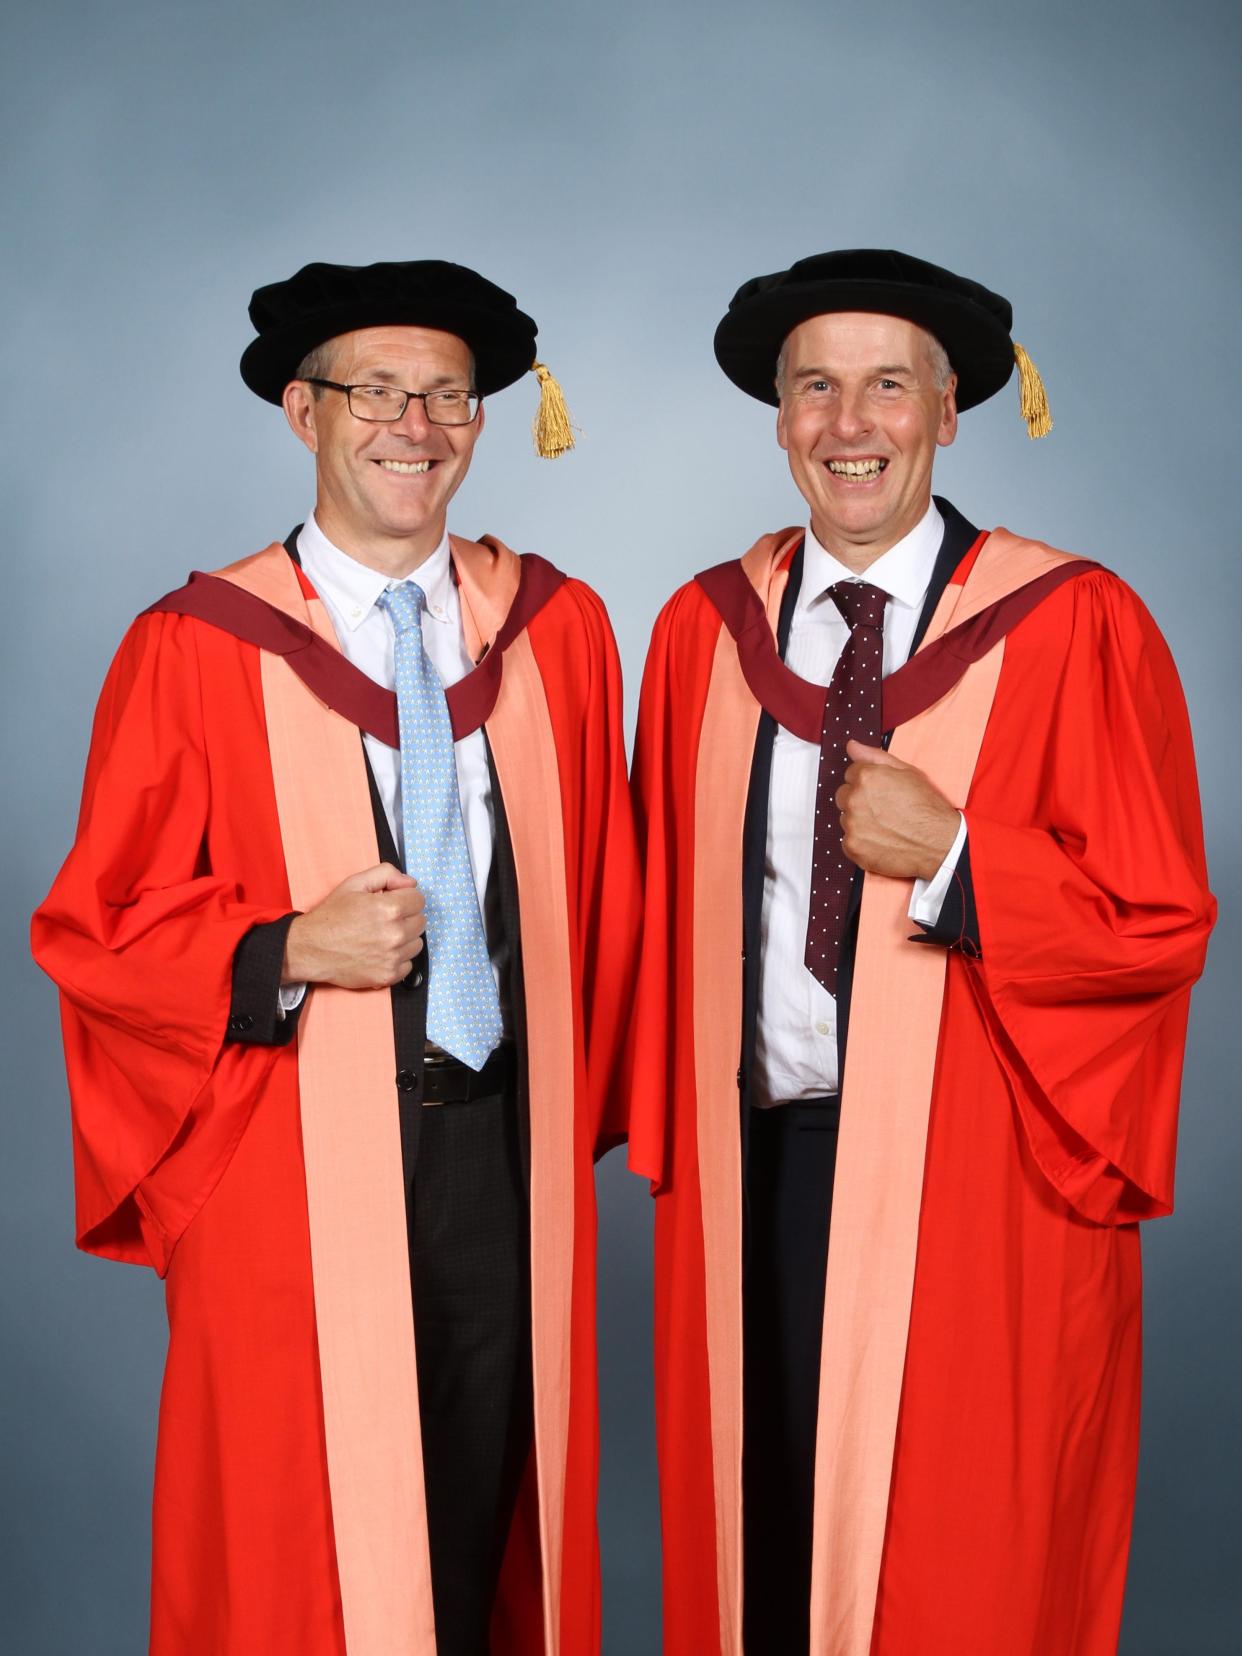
861, 418
382, 490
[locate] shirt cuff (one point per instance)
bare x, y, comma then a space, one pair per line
289, 998
928, 896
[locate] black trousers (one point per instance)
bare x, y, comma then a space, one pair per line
470, 1274
791, 1159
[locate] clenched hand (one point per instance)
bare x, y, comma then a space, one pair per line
363, 935
893, 820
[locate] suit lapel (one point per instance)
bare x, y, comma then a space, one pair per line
754, 854
504, 872
959, 537
409, 1017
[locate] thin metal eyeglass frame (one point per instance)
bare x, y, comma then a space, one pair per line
419, 396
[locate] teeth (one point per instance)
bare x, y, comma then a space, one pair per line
857, 468
406, 470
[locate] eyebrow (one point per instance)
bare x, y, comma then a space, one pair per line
884, 368
382, 376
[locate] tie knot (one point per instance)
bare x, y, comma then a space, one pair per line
861, 604
405, 604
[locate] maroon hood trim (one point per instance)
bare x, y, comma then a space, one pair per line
798, 705
325, 671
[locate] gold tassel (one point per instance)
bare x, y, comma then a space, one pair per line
1035, 409
553, 433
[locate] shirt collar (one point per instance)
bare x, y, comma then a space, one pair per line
353, 588
904, 571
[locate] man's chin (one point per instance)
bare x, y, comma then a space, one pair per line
408, 525
859, 520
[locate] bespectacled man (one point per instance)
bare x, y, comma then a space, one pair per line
343, 944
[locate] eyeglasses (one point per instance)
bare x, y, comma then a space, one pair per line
385, 403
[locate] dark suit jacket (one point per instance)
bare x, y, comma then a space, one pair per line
257, 961
956, 926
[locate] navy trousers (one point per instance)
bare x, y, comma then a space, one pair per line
470, 1275
790, 1163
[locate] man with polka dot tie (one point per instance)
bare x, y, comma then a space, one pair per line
905, 1070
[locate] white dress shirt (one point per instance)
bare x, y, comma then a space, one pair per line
796, 1033
365, 633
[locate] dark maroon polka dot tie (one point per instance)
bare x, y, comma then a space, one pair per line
851, 712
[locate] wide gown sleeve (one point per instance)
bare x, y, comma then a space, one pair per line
139, 933
609, 893
650, 1058
1094, 914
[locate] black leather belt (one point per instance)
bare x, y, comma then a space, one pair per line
797, 1113
448, 1081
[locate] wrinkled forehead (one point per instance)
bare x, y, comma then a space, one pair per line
856, 339
392, 351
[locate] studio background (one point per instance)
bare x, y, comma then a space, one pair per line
621, 170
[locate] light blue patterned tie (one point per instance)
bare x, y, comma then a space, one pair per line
463, 1009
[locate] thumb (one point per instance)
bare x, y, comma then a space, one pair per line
382, 878
862, 754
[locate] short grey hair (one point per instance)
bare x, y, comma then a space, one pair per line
937, 357
315, 365
941, 367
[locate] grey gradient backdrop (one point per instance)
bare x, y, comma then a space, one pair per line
621, 170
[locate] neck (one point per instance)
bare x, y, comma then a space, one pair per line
393, 555
859, 555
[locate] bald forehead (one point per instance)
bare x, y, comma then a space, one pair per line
383, 354
844, 341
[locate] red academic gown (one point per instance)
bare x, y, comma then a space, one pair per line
288, 1512
1006, 1120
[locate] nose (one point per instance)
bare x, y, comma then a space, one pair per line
850, 417
414, 423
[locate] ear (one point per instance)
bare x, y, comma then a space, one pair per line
782, 434
948, 414
478, 420
298, 403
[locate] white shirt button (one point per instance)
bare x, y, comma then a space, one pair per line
823, 1028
